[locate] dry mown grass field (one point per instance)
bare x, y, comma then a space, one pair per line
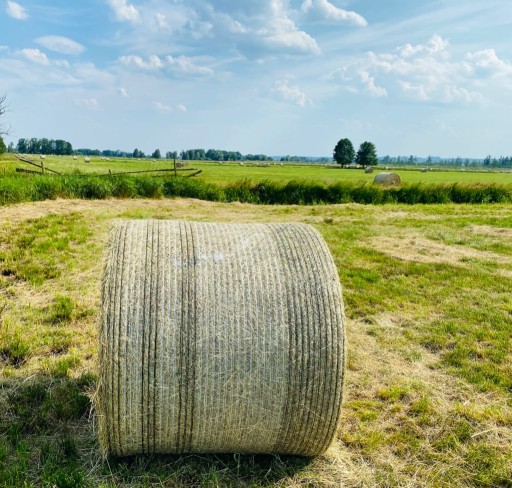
428, 393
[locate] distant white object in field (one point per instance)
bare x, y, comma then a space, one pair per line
87, 160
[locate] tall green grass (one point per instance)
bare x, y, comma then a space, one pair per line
22, 188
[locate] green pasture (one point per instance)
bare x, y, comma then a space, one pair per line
228, 173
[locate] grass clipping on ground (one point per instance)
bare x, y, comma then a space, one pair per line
219, 338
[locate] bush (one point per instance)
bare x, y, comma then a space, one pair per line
46, 188
149, 187
124, 188
94, 188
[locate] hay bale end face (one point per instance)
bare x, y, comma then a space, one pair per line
219, 338
387, 179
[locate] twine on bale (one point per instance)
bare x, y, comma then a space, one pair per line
219, 338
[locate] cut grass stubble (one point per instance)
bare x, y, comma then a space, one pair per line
427, 401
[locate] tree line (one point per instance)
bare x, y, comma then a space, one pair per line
44, 146
304, 159
220, 155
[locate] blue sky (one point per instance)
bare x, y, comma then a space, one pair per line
415, 77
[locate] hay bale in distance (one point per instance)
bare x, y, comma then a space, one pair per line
368, 170
219, 338
387, 179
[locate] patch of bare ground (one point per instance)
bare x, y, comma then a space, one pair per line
422, 250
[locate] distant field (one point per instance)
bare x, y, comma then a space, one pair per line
231, 172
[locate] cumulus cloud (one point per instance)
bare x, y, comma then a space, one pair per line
370, 86
16, 11
425, 72
282, 33
60, 44
153, 62
35, 55
124, 11
181, 108
487, 61
435, 44
181, 64
325, 11
187, 65
290, 93
255, 28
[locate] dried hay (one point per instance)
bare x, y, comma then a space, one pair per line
387, 179
219, 338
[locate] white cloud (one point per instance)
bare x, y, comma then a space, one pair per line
371, 87
187, 65
122, 91
326, 11
181, 64
181, 108
60, 44
283, 33
434, 45
254, 28
16, 11
88, 103
425, 72
153, 62
35, 55
291, 93
161, 107
124, 11
487, 61
161, 21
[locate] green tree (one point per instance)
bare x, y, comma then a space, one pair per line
2, 146
367, 154
157, 154
344, 152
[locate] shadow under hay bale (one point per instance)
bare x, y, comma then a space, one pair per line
219, 338
387, 179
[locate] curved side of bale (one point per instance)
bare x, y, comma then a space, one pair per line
387, 179
219, 338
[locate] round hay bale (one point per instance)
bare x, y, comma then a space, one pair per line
219, 338
368, 170
387, 179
